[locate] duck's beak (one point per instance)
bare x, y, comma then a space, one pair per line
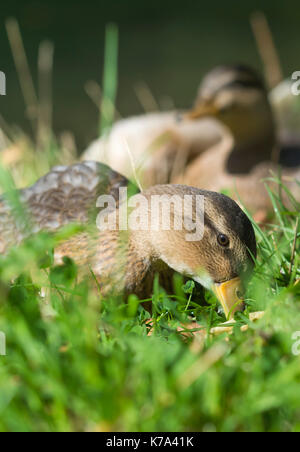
202, 110
229, 295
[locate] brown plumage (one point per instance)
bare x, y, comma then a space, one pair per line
65, 195
127, 261
160, 145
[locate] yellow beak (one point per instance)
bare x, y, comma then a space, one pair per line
229, 295
202, 110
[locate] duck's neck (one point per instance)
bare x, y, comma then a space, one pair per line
254, 141
124, 263
143, 264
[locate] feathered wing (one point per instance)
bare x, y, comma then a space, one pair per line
67, 194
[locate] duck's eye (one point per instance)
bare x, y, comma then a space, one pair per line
223, 240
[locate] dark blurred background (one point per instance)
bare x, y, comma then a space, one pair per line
168, 44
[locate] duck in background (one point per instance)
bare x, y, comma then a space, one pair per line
231, 144
286, 108
251, 151
126, 262
155, 146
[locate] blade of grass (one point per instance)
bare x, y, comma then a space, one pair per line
110, 78
22, 66
294, 247
45, 69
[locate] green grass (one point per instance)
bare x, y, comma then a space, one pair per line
76, 362
110, 78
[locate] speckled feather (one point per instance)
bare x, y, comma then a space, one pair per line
67, 194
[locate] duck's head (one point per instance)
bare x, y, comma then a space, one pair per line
218, 256
235, 95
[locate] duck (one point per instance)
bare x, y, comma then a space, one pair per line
154, 146
126, 260
250, 153
229, 141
